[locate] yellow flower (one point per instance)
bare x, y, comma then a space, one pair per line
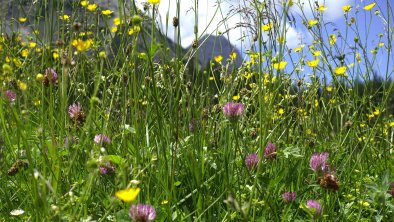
376, 112
39, 77
267, 27
329, 88
25, 53
281, 39
37, 102
22, 19
233, 55
298, 48
381, 44
363, 203
312, 22
370, 6
65, 17
248, 75
281, 111
313, 63
391, 124
211, 78
81, 45
102, 54
236, 97
92, 7
84, 3
128, 195
55, 55
218, 58
22, 86
114, 29
106, 12
316, 53
333, 39
117, 21
32, 44
358, 57
347, 8
340, 71
164, 202
153, 2
279, 65
322, 8
7, 69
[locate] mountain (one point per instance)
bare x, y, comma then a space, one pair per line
210, 46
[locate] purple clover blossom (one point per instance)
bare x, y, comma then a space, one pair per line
50, 74
289, 196
76, 113
107, 168
314, 204
11, 95
318, 161
270, 151
233, 110
392, 189
252, 161
102, 138
142, 213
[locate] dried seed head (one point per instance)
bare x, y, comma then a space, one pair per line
175, 21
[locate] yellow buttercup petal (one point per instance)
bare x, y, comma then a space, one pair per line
279, 65
128, 195
340, 71
313, 63
154, 1
369, 7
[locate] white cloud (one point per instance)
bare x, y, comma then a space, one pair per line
213, 16
333, 12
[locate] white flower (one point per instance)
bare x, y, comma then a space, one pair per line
17, 212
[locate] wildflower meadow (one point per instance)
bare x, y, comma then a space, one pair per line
283, 111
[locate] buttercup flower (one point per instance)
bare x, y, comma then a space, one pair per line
232, 109
340, 71
289, 196
153, 2
252, 161
142, 213
370, 6
102, 138
279, 65
347, 8
106, 12
315, 206
318, 161
270, 151
128, 195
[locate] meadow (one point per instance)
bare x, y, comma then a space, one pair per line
101, 119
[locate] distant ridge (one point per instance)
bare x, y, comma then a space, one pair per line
210, 46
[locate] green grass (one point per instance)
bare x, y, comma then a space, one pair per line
169, 135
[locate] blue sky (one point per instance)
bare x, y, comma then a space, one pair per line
211, 14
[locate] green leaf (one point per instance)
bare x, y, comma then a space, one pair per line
122, 216
114, 159
292, 151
